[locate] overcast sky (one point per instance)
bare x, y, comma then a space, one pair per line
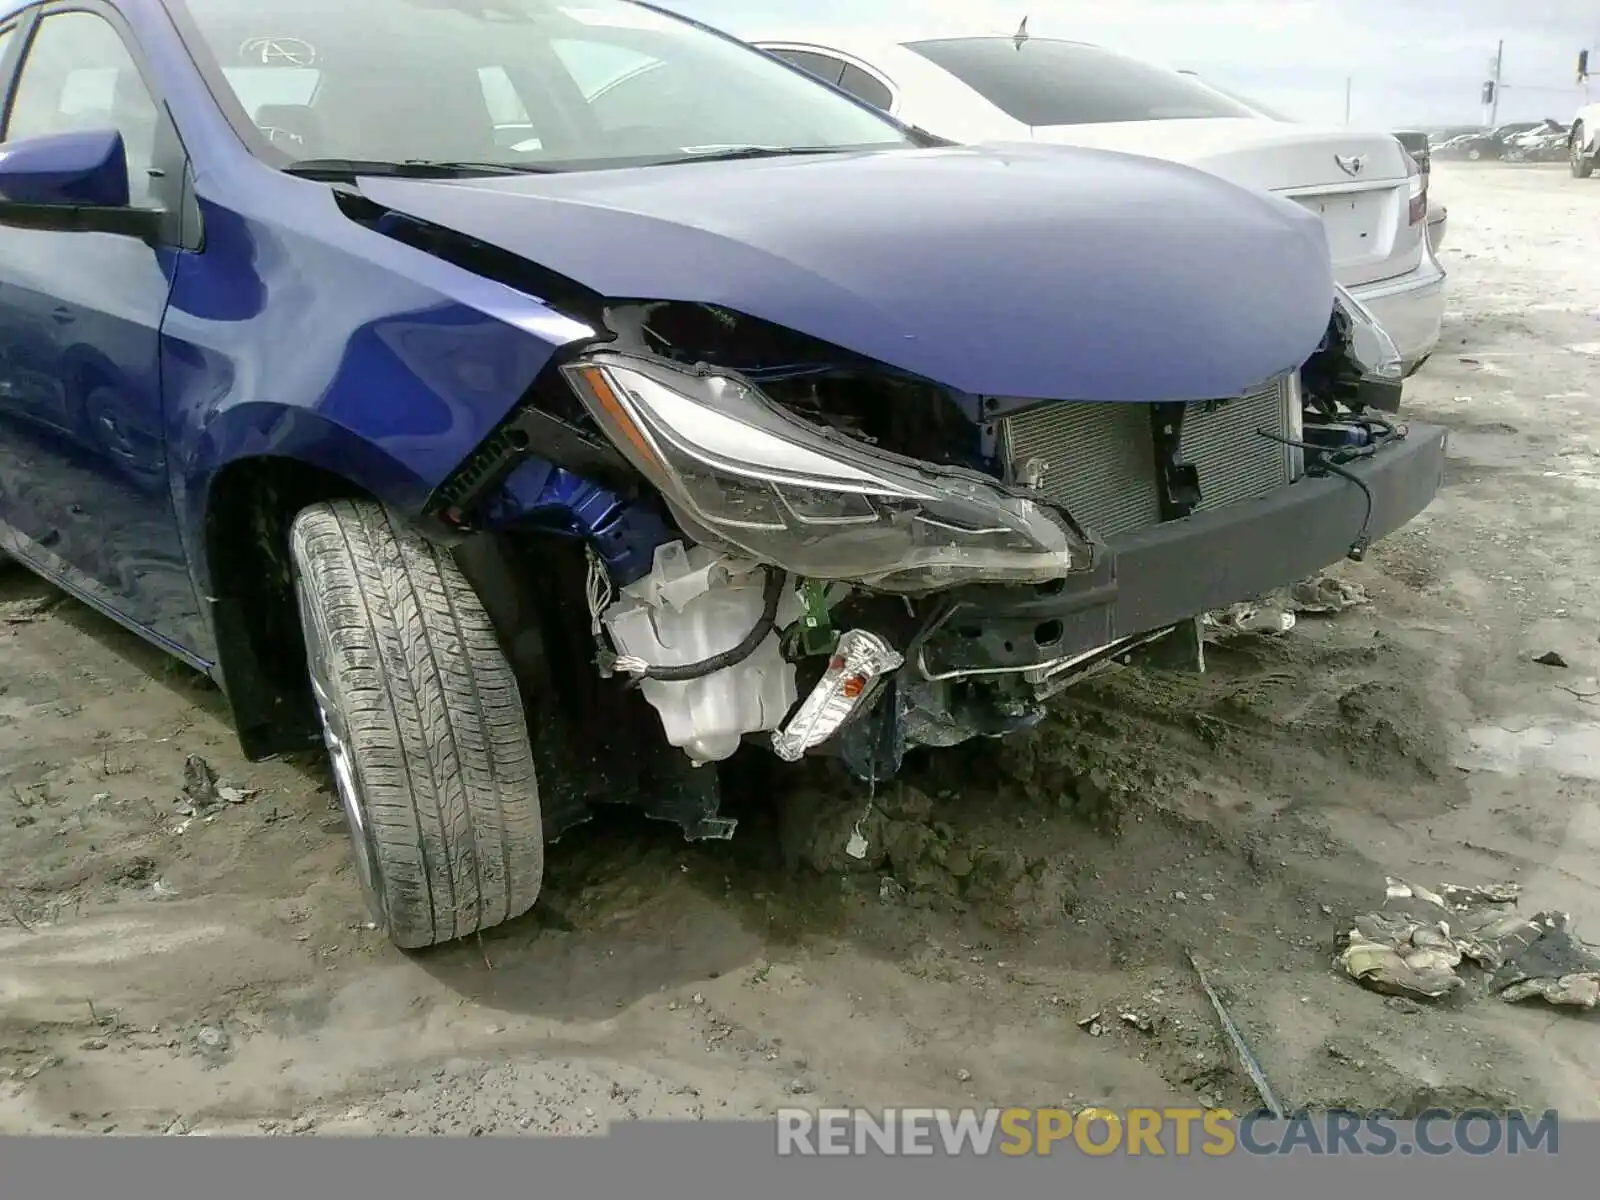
1409, 61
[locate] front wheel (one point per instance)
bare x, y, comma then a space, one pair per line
423, 724
1474, 154
1582, 162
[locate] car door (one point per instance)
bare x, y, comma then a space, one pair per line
83, 473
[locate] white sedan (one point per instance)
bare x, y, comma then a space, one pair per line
1367, 188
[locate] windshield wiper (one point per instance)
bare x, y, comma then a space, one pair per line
411, 168
727, 153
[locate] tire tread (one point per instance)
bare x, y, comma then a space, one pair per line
436, 724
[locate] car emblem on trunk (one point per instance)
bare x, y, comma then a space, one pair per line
1351, 164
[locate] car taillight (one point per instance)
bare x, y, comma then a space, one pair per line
1417, 184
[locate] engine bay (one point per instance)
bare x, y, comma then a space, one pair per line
697, 596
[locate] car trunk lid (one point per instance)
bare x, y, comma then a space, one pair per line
1355, 180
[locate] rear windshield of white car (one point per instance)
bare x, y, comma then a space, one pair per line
1043, 82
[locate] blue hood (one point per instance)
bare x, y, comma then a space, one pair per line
1043, 272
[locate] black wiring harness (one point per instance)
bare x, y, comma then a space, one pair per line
771, 598
1333, 460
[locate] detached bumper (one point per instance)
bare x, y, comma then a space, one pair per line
1168, 573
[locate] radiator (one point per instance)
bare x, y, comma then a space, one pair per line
1100, 458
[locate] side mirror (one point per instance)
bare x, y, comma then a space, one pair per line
70, 181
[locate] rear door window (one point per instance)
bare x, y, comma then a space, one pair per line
858, 83
822, 66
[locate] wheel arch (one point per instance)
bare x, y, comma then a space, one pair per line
249, 508
253, 469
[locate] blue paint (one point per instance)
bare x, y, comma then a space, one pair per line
1031, 272
88, 168
546, 497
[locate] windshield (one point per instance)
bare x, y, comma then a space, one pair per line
518, 83
1043, 82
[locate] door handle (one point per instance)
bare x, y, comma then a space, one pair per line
62, 316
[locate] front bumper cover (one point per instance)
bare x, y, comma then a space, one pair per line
1159, 576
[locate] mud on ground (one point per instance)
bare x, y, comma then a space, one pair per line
214, 973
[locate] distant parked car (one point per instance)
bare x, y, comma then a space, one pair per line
1546, 144
1438, 137
1491, 144
1371, 195
1583, 141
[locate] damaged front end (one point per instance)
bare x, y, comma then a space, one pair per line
782, 542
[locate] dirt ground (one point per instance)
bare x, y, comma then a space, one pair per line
215, 974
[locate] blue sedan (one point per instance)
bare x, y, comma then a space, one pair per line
536, 404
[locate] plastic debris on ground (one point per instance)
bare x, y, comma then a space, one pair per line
1250, 618
1323, 595
1416, 946
1278, 611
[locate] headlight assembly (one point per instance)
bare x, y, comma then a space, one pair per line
738, 471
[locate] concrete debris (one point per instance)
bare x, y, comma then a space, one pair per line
1416, 947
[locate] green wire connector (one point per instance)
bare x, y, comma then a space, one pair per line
815, 631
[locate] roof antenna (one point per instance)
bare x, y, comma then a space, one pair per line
1021, 35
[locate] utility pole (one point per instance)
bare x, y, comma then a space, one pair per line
1347, 84
1494, 101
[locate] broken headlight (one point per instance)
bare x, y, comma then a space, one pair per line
1375, 368
740, 472
1371, 346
